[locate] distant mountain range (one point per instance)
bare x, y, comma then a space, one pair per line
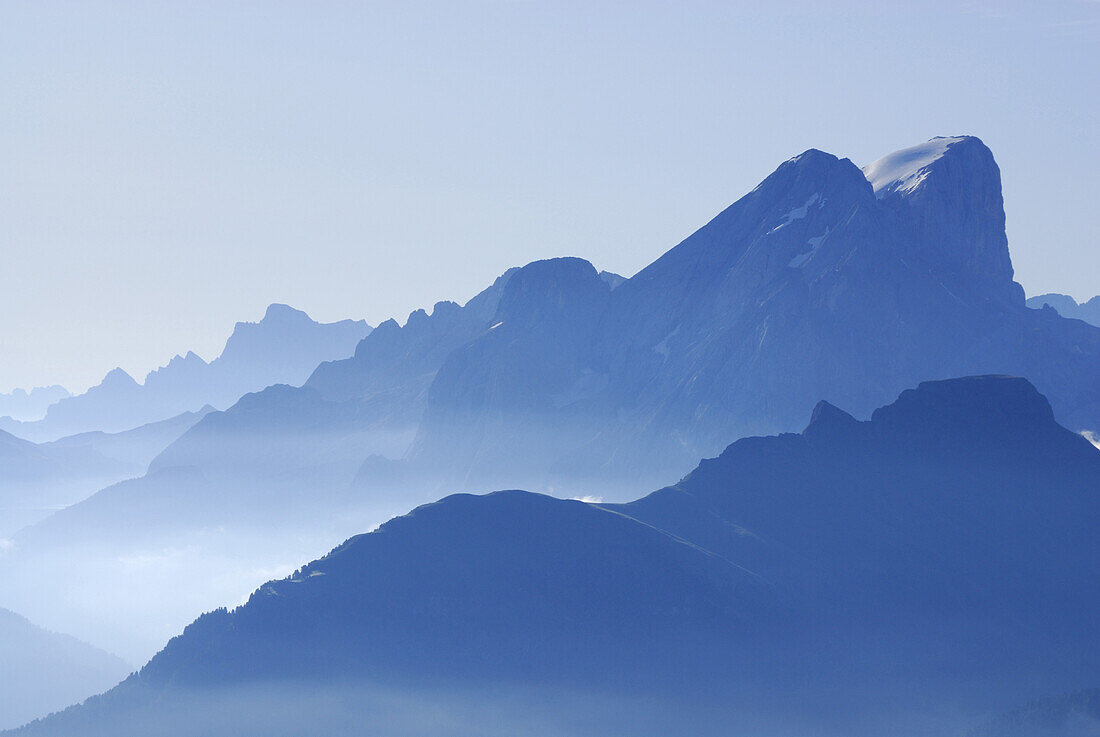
39, 479
1067, 306
284, 347
25, 406
904, 575
44, 672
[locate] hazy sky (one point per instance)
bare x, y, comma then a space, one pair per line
167, 169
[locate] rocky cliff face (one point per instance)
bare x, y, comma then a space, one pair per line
947, 195
824, 281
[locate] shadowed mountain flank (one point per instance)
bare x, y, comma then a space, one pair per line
905, 575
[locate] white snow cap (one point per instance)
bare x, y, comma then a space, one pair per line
903, 171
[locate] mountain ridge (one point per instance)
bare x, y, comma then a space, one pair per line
718, 593
283, 347
1066, 306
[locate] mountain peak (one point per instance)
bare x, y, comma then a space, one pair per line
811, 163
829, 415
974, 411
946, 193
191, 358
810, 155
905, 170
278, 312
829, 423
559, 285
116, 377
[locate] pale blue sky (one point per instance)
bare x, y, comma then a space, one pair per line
169, 168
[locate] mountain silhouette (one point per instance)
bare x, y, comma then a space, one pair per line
1067, 306
933, 563
39, 479
284, 347
818, 283
826, 281
24, 406
263, 485
43, 671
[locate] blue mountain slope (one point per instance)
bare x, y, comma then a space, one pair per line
1069, 715
42, 672
926, 567
962, 508
812, 285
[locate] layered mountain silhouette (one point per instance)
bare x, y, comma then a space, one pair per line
39, 479
284, 347
25, 406
902, 575
35, 481
826, 281
1067, 306
136, 447
43, 672
259, 487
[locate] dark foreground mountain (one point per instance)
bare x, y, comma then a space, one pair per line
284, 347
904, 575
42, 671
1067, 306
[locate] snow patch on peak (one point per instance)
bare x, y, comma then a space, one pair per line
797, 213
815, 245
903, 171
